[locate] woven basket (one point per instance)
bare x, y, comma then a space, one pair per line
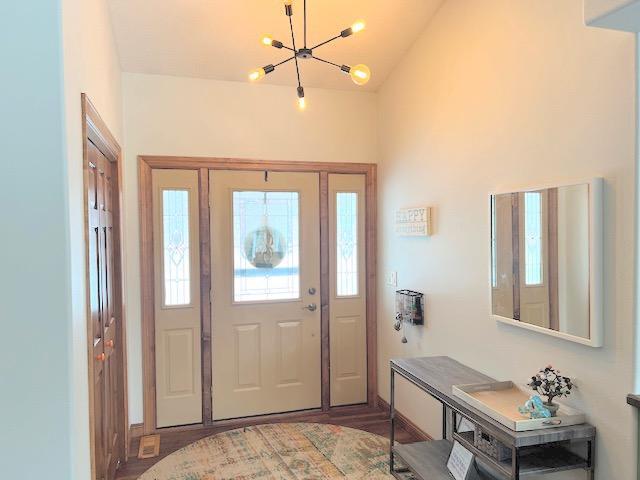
490, 445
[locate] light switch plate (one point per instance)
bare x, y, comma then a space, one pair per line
392, 279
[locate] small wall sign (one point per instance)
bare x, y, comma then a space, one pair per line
461, 463
413, 222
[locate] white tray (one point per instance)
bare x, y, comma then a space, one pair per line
500, 401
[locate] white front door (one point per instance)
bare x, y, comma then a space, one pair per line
265, 265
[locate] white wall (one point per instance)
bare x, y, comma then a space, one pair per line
192, 117
497, 95
90, 66
53, 50
34, 254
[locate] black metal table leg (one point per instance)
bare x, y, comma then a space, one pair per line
444, 421
515, 464
590, 452
392, 418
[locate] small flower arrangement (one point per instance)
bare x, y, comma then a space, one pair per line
550, 384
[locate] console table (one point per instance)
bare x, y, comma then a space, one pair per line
534, 452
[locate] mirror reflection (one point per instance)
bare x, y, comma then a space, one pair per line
540, 258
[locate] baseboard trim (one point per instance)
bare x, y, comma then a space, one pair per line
405, 423
136, 430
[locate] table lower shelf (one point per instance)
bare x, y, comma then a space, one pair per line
425, 460
541, 459
428, 461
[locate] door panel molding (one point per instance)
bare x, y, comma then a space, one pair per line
112, 360
247, 338
203, 165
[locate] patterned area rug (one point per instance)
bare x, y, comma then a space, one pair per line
287, 451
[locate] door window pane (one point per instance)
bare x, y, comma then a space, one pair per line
175, 246
346, 244
266, 250
533, 238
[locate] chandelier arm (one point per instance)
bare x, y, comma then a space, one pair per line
326, 41
284, 61
295, 57
326, 61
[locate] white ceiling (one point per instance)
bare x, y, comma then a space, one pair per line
220, 39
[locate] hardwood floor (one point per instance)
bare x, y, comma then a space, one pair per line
362, 418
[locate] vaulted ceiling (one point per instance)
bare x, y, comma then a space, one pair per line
220, 39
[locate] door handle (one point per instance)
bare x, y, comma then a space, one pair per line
312, 307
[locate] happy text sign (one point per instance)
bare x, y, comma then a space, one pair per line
414, 221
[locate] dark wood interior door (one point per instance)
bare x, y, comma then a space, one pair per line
104, 323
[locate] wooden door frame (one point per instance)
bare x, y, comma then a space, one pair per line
203, 165
95, 130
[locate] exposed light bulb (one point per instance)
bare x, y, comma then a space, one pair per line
270, 42
288, 2
261, 72
358, 26
360, 74
302, 104
257, 74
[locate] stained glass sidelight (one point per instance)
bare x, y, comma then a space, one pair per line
346, 244
533, 238
266, 249
175, 238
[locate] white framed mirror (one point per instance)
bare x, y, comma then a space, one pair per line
546, 260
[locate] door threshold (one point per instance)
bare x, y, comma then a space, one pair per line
298, 415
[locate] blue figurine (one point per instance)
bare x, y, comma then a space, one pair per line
535, 408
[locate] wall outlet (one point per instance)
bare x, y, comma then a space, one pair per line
392, 279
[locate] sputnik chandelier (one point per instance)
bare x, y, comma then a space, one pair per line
360, 74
